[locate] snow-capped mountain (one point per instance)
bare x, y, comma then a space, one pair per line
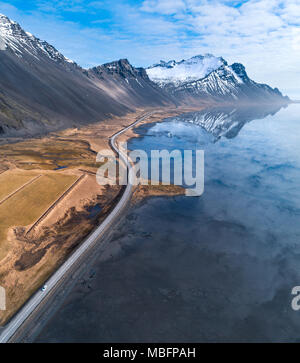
188, 70
42, 90
15, 40
211, 78
134, 83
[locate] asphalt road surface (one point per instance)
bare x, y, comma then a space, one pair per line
16, 322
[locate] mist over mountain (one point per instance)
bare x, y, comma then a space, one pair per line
41, 90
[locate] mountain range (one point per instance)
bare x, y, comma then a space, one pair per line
211, 78
41, 90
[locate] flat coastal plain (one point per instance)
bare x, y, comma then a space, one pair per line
50, 200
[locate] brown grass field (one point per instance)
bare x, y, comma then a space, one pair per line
11, 181
48, 154
27, 261
23, 208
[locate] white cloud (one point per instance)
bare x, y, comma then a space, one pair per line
261, 34
163, 6
296, 39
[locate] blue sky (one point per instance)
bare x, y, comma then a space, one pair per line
264, 35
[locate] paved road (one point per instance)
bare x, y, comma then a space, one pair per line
17, 321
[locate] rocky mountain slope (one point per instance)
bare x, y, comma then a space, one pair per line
211, 78
132, 85
42, 90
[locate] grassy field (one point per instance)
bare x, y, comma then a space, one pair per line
47, 155
11, 181
27, 205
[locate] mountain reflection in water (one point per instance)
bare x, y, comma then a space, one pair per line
219, 268
227, 121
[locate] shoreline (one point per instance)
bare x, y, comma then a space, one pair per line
72, 243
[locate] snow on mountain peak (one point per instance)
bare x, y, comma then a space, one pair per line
14, 38
191, 69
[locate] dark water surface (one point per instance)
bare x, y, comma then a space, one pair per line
216, 268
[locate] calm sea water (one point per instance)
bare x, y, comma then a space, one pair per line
220, 267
